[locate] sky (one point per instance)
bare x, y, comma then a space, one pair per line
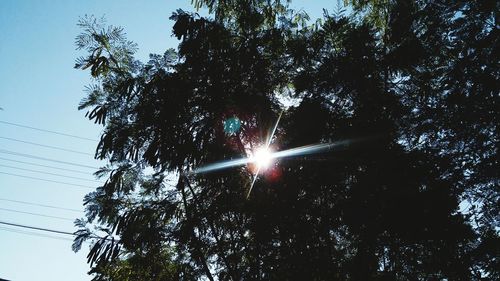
39, 88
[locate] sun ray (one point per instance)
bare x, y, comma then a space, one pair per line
268, 142
297, 151
263, 156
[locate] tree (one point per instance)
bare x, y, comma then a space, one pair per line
449, 88
381, 206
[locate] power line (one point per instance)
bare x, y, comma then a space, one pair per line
47, 173
35, 214
40, 205
47, 131
45, 166
35, 234
38, 228
52, 230
45, 159
46, 146
34, 178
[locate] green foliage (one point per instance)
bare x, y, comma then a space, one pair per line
375, 12
423, 96
108, 48
136, 267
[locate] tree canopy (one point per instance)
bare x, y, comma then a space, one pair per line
407, 90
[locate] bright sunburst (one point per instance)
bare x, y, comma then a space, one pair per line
263, 157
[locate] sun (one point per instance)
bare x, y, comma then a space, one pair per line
263, 157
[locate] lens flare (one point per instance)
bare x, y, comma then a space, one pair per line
268, 156
263, 157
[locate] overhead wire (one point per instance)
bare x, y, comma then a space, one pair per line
47, 180
45, 159
46, 146
40, 205
47, 173
37, 228
52, 230
35, 214
44, 166
47, 131
14, 153
35, 234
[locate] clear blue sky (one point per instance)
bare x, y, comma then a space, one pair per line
40, 88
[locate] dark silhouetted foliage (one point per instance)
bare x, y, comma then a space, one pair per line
409, 88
